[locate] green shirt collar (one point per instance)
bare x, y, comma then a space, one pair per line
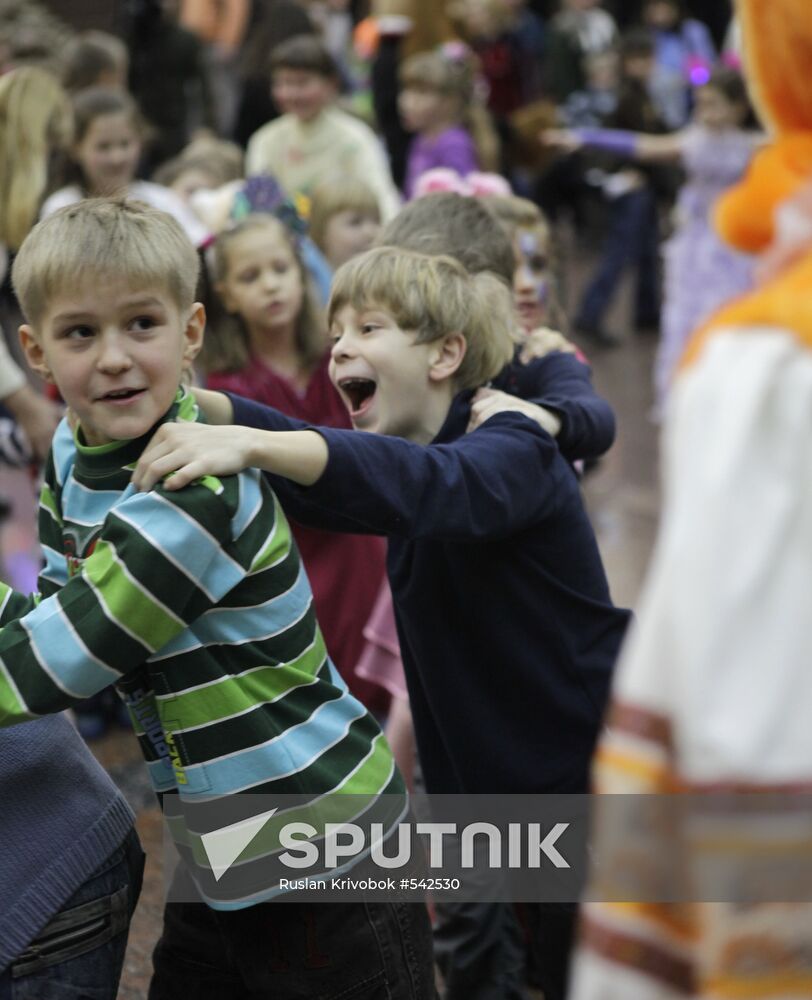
100, 461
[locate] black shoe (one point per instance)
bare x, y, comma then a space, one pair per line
595, 335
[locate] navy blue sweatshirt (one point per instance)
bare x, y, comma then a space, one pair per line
507, 630
562, 383
60, 817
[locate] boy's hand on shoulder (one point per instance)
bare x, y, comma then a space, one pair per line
543, 341
180, 453
488, 402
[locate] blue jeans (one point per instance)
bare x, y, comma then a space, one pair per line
79, 954
632, 241
480, 951
286, 951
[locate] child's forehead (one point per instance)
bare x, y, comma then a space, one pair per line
352, 311
531, 240
356, 208
264, 236
423, 86
110, 121
95, 293
296, 74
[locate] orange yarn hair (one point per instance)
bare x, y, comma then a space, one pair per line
777, 38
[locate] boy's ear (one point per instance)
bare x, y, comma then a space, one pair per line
447, 357
34, 352
193, 334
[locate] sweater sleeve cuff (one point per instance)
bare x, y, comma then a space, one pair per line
339, 451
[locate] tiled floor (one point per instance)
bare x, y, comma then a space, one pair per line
622, 498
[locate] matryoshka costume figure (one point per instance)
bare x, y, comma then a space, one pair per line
713, 692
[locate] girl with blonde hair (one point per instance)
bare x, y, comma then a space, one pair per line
35, 118
439, 103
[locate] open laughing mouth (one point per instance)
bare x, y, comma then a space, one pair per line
359, 392
121, 396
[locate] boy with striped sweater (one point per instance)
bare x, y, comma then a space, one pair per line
195, 604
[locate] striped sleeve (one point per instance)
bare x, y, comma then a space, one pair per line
161, 561
54, 572
13, 605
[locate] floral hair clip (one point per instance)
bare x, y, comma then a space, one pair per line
473, 185
262, 193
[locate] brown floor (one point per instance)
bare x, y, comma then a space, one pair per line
622, 499
622, 493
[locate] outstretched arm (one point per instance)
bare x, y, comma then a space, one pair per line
636, 145
183, 453
471, 488
154, 568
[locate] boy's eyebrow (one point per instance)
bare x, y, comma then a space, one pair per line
70, 316
135, 302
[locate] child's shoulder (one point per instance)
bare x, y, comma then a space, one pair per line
236, 497
348, 123
265, 137
222, 504
234, 516
520, 377
60, 199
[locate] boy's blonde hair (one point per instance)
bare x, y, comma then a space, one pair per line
228, 349
433, 296
102, 238
340, 194
449, 223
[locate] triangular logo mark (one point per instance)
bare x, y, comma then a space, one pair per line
225, 845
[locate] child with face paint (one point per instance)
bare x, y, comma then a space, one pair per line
535, 296
531, 282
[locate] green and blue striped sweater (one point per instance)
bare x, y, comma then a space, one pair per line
196, 605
